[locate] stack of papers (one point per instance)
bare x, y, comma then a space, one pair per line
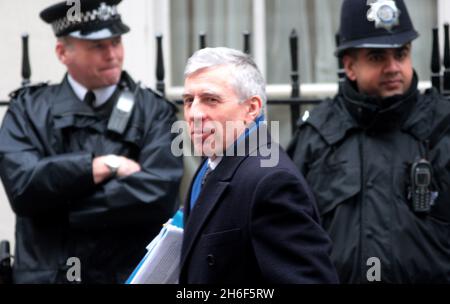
161, 263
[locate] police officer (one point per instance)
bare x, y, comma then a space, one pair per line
377, 155
87, 163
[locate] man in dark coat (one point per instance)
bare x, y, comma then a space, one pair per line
249, 216
377, 155
87, 163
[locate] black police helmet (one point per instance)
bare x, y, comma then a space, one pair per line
374, 24
94, 19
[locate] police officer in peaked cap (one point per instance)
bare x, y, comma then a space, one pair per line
376, 155
86, 163
93, 20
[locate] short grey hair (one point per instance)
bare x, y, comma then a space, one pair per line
247, 79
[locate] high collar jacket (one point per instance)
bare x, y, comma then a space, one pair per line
356, 154
47, 143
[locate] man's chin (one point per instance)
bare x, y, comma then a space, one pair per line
113, 80
392, 93
207, 149
205, 152
392, 90
110, 78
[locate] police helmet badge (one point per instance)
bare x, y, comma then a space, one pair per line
384, 13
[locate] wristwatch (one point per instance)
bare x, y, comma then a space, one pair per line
113, 163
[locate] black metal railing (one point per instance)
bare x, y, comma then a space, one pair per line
440, 72
26, 67
295, 101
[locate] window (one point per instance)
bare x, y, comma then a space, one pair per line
315, 22
223, 22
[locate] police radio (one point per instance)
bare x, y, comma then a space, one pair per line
122, 111
420, 193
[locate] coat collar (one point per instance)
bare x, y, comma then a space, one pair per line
102, 95
379, 114
424, 118
217, 183
66, 102
331, 120
349, 110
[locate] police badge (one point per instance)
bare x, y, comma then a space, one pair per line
384, 13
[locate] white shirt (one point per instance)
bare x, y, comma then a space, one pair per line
212, 164
101, 95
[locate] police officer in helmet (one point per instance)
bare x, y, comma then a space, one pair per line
87, 163
376, 155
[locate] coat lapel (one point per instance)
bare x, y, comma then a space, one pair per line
215, 186
67, 103
206, 203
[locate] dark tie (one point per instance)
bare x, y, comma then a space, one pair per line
89, 99
198, 188
208, 170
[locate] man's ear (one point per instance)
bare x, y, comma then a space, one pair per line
61, 51
349, 61
254, 107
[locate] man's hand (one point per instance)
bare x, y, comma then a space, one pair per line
101, 172
127, 167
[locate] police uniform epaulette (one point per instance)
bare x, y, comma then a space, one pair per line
157, 93
31, 88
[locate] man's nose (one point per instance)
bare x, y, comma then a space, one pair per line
110, 52
197, 110
392, 64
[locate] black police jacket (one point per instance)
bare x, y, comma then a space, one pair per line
356, 154
47, 143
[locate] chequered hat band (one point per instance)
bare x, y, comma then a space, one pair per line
103, 13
